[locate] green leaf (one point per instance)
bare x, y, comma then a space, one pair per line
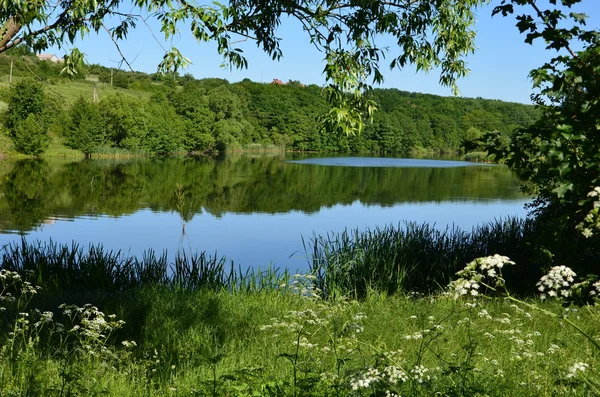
562, 189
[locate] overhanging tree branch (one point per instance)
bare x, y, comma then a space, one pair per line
8, 31
428, 33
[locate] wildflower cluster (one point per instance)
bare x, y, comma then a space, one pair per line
296, 321
582, 293
90, 327
380, 379
387, 374
557, 283
303, 285
390, 375
14, 290
591, 222
576, 368
595, 290
319, 341
306, 326
486, 272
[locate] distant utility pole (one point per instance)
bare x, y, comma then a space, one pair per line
10, 75
95, 94
111, 76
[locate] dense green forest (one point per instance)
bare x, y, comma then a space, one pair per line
183, 114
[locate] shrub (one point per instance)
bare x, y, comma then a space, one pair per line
25, 98
86, 128
29, 136
478, 157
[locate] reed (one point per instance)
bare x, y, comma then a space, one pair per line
413, 257
354, 263
63, 267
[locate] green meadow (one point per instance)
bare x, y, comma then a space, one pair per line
89, 322
279, 343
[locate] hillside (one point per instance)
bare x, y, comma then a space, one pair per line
109, 111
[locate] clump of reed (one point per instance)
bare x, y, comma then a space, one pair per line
417, 258
61, 267
355, 263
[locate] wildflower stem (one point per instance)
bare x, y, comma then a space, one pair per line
566, 320
592, 386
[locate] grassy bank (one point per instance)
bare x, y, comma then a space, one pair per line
218, 343
66, 91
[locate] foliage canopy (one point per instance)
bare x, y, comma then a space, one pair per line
428, 34
560, 154
27, 117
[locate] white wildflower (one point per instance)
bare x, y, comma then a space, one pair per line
395, 374
595, 192
553, 349
365, 379
577, 367
419, 374
595, 291
414, 336
557, 282
485, 269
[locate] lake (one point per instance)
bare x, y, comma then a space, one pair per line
253, 209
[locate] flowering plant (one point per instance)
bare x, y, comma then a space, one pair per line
486, 271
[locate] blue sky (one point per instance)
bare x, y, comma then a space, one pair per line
499, 68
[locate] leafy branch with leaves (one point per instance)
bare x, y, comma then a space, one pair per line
429, 34
559, 156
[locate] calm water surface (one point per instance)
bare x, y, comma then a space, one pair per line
254, 210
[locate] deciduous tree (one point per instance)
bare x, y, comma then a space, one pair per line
560, 153
559, 156
26, 117
428, 34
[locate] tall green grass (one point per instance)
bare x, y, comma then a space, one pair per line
62, 267
354, 263
185, 333
214, 343
412, 257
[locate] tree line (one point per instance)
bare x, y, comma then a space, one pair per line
212, 115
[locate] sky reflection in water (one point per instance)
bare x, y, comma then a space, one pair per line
232, 218
260, 239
